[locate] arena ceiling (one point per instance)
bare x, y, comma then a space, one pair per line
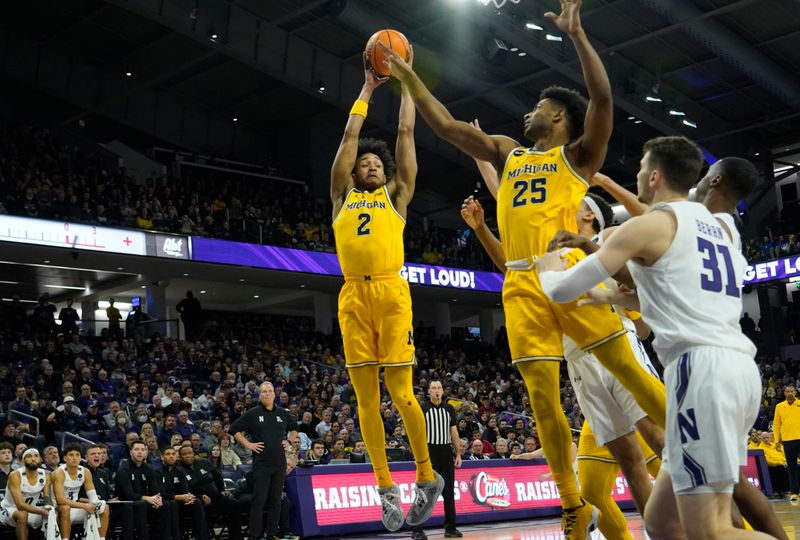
180, 71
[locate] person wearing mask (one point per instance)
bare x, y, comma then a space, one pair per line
443, 444
118, 433
268, 426
176, 488
137, 481
206, 483
786, 426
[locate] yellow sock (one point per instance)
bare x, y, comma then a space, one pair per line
597, 479
399, 384
618, 358
542, 380
368, 393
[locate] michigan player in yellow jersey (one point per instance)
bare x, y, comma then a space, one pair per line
539, 193
370, 196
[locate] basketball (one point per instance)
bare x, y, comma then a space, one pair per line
392, 39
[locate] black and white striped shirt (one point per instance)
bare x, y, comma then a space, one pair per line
439, 419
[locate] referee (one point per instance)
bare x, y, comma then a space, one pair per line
267, 425
443, 441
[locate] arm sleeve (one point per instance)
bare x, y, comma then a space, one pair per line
569, 285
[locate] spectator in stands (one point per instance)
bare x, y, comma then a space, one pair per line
206, 483
114, 316
111, 417
184, 426
166, 434
227, 455
137, 481
69, 416
307, 425
6, 457
21, 403
19, 450
501, 449
476, 450
118, 433
51, 458
200, 451
215, 457
69, 318
191, 314
177, 488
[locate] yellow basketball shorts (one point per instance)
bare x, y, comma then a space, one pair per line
589, 449
376, 322
535, 324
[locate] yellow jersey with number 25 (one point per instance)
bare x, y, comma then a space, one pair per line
369, 235
539, 195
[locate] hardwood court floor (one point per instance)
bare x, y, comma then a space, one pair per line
549, 529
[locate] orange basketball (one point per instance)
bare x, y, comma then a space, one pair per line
392, 39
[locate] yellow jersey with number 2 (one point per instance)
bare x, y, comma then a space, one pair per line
369, 235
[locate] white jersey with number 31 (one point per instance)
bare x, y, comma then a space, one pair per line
692, 295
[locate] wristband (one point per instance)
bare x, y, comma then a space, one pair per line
360, 108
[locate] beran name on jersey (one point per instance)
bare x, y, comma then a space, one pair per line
366, 204
715, 231
533, 168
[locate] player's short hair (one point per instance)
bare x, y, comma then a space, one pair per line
741, 176
574, 106
605, 209
368, 145
6, 446
72, 447
138, 441
678, 158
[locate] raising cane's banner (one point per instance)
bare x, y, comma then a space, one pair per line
314, 262
338, 499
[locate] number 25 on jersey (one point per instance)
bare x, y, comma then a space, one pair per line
533, 191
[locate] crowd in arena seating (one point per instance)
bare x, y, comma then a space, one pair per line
44, 178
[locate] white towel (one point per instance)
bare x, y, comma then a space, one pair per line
50, 525
92, 524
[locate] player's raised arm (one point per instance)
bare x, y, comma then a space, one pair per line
588, 153
472, 214
405, 153
487, 170
345, 161
626, 198
491, 148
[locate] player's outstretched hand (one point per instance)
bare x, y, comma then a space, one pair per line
551, 262
371, 80
399, 68
472, 212
566, 239
569, 21
611, 295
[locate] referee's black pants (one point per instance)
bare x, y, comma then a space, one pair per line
267, 489
443, 462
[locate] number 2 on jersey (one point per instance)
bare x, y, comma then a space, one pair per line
362, 227
713, 283
537, 189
